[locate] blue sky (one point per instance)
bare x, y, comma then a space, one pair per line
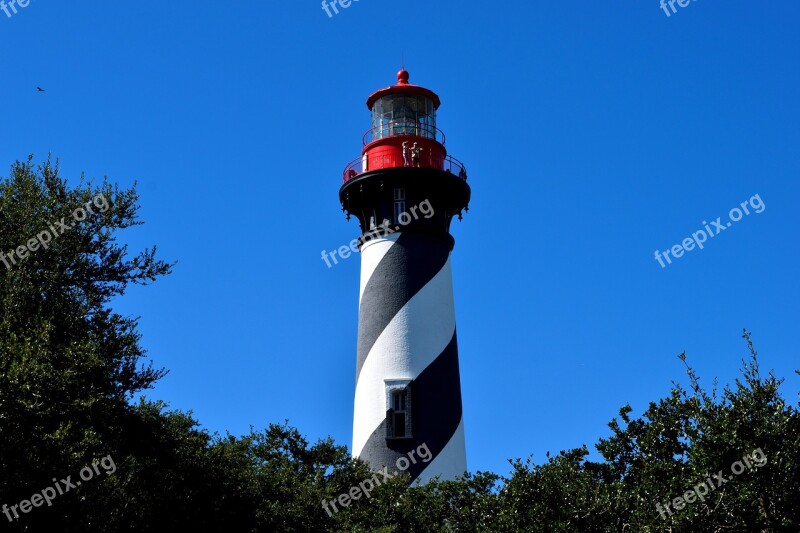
594, 134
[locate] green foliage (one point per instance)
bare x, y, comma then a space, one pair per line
70, 368
68, 363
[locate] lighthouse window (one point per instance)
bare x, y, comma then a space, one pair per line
403, 115
399, 400
399, 204
398, 414
399, 423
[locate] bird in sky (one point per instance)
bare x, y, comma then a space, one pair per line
40, 89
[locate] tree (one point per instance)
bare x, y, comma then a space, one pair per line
68, 364
660, 471
70, 367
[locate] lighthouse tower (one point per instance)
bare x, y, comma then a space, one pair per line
408, 388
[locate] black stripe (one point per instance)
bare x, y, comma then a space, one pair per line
436, 414
412, 261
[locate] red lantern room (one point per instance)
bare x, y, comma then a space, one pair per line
404, 163
403, 115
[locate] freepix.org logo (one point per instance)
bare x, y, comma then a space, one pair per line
343, 3
754, 459
425, 208
59, 488
671, 4
10, 8
717, 226
56, 229
366, 487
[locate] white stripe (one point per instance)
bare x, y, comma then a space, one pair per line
451, 461
419, 332
372, 253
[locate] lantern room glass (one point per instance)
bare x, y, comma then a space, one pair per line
403, 115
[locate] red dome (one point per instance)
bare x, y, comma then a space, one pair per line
403, 87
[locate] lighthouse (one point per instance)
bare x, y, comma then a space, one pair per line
404, 190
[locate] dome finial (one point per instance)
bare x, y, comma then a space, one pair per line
402, 77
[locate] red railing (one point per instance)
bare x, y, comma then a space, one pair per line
381, 159
395, 129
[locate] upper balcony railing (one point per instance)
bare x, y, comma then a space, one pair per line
381, 159
404, 128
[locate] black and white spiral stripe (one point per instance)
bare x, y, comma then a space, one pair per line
407, 330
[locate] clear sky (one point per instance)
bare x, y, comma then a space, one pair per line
594, 133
